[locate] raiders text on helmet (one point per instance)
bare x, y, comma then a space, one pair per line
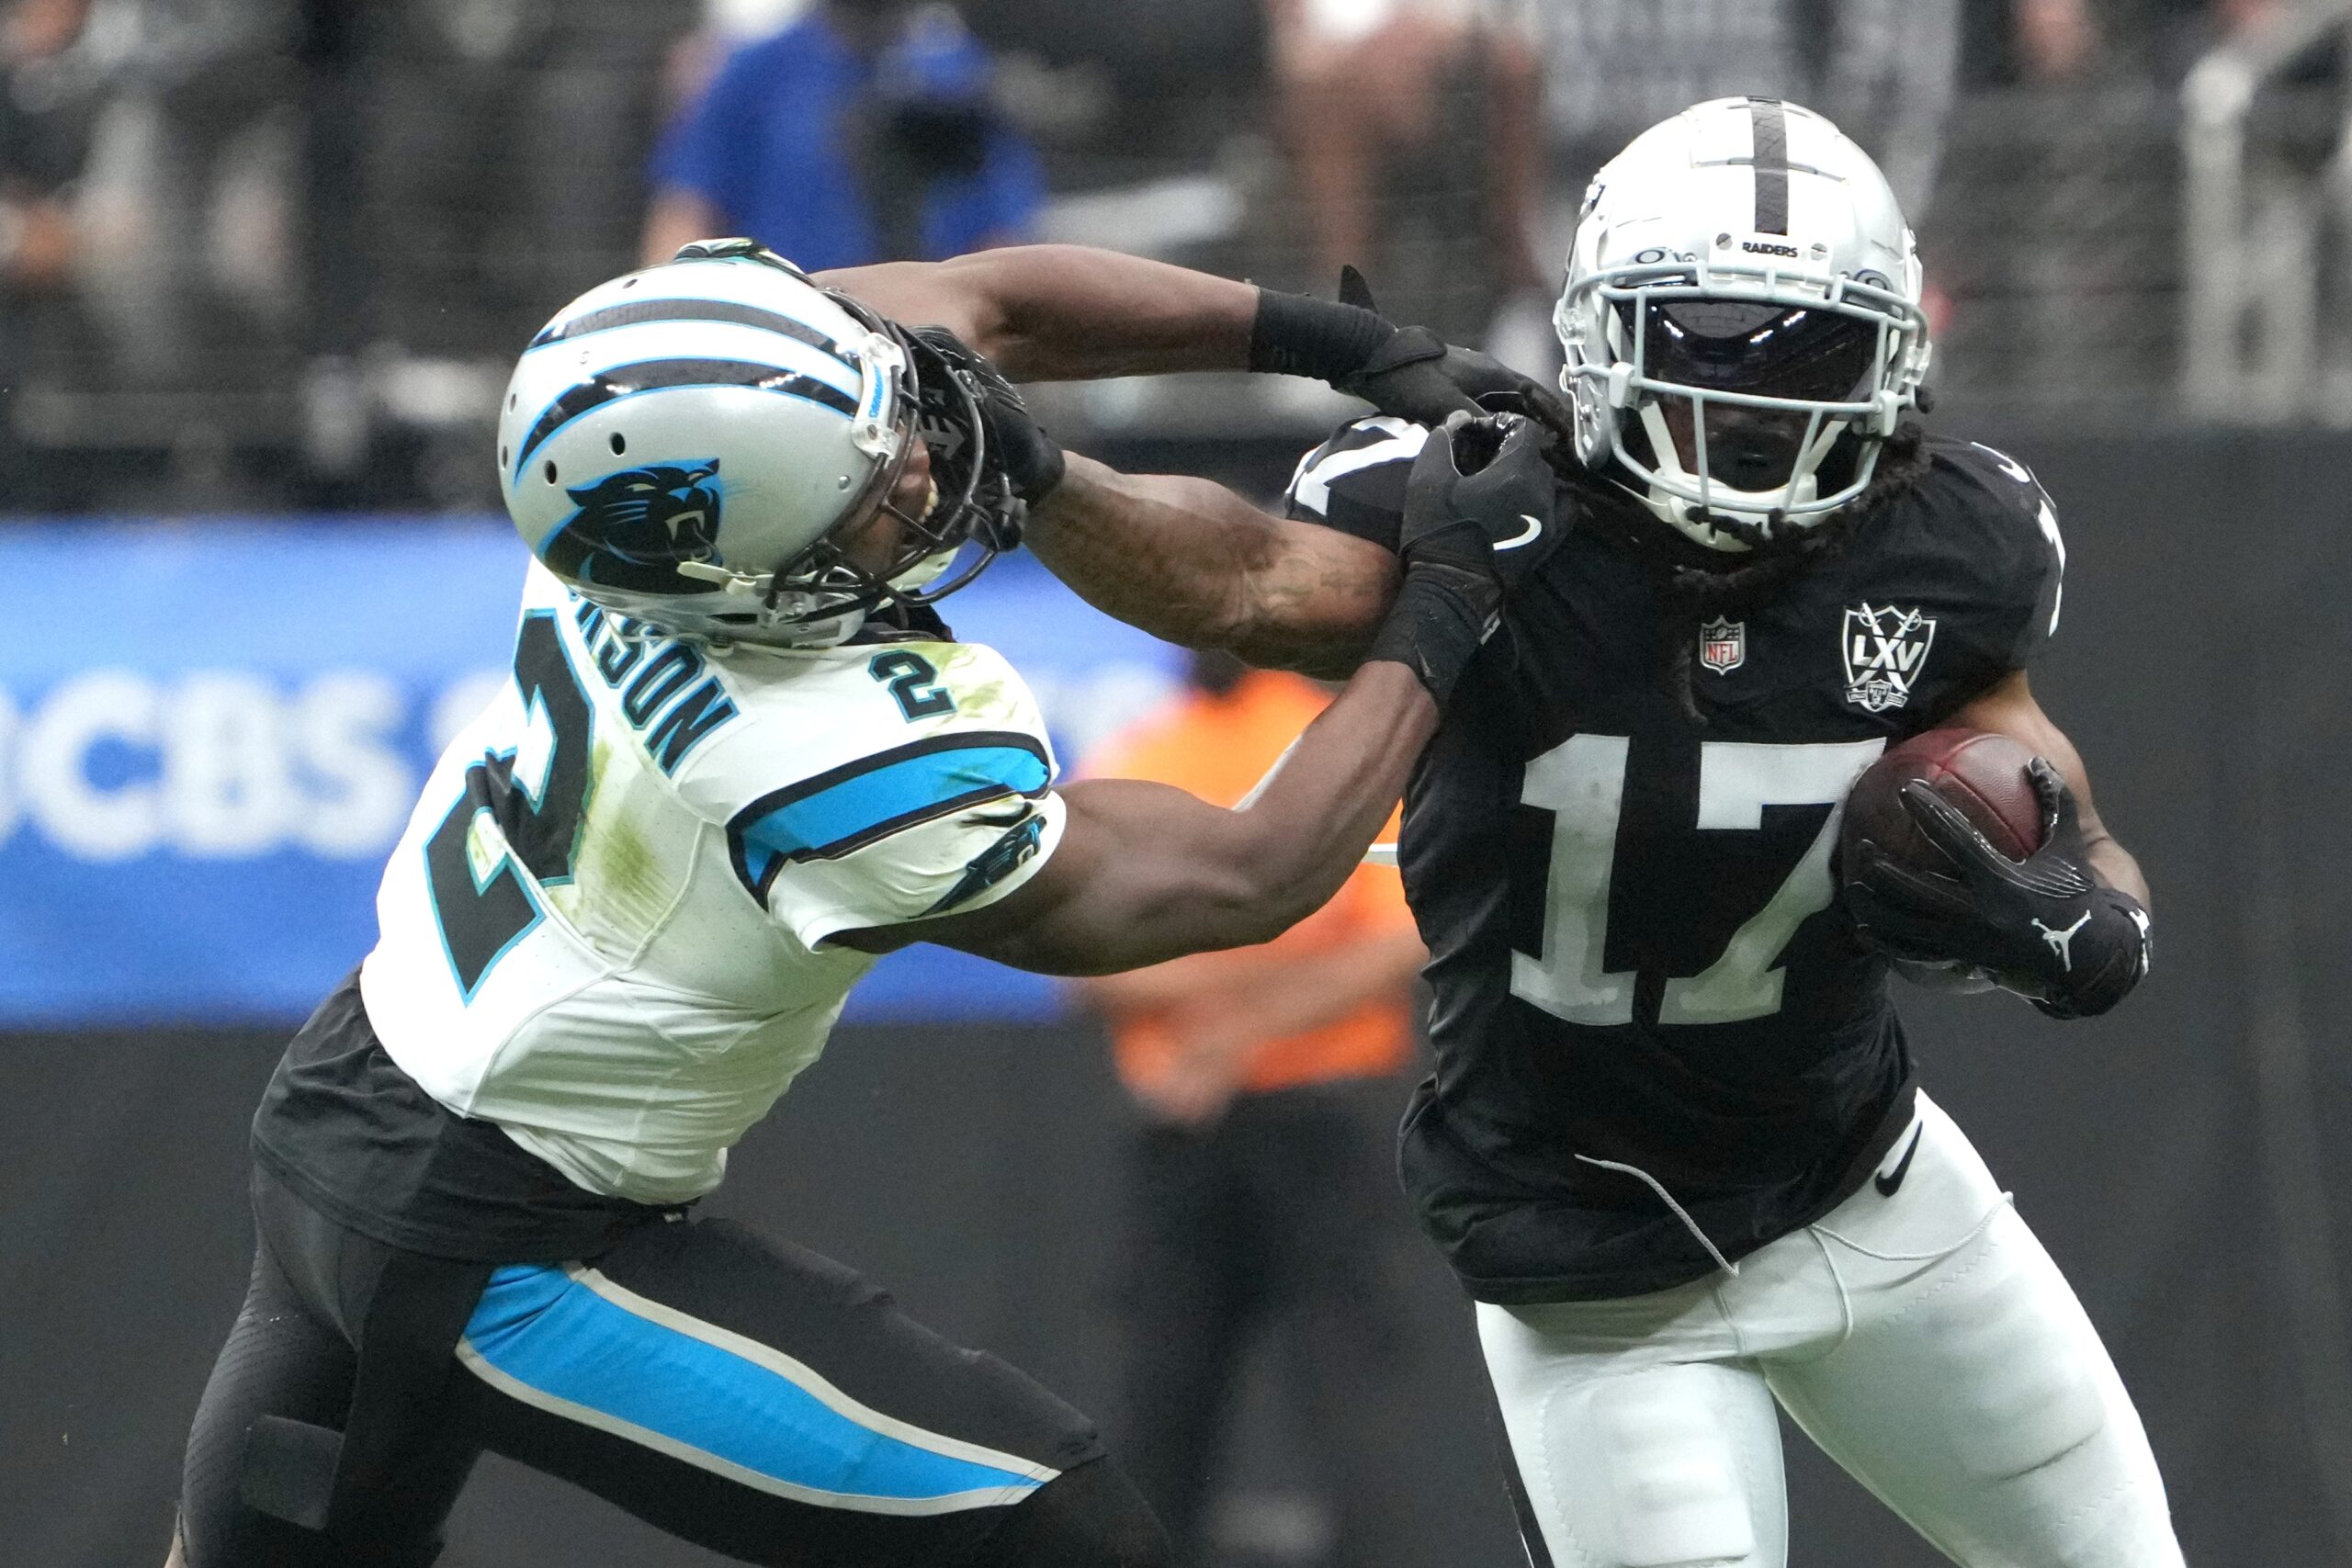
686, 445
1741, 319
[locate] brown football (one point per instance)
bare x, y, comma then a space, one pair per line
1983, 775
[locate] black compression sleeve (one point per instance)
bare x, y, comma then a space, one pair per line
1294, 335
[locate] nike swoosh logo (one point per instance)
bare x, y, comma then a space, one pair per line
1534, 532
1888, 1183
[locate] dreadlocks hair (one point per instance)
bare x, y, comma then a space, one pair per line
1693, 587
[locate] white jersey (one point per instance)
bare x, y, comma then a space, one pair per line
604, 928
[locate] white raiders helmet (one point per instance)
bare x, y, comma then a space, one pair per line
1741, 320
684, 445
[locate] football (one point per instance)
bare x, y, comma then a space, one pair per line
1984, 776
1980, 773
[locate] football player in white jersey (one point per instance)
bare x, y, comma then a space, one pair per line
740, 756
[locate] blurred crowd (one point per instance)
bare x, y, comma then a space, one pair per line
264, 254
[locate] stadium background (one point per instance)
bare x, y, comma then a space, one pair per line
251, 577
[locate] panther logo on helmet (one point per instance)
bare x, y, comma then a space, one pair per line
634, 527
816, 404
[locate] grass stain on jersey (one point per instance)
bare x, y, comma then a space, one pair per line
629, 876
971, 672
621, 884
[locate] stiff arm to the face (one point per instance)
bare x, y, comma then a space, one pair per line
1183, 558
1196, 564
1142, 872
1192, 562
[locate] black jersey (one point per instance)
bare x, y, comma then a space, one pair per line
1657, 1039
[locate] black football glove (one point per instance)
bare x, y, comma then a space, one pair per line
1410, 372
1493, 471
1478, 516
2042, 927
1418, 376
1032, 459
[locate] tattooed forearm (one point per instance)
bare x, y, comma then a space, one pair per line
1193, 562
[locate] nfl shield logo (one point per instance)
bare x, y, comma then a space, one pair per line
1723, 644
1884, 651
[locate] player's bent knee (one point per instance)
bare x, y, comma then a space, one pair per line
1091, 1517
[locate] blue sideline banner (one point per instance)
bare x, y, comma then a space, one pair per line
212, 734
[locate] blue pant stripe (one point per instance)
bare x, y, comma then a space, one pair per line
548, 1332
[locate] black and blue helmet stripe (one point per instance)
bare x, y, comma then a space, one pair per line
719, 312
664, 375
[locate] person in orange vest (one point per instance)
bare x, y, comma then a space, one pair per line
1264, 1192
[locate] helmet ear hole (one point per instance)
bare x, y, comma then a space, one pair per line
549, 471
620, 444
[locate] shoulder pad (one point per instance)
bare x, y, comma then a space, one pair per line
840, 712
876, 785
1355, 480
1991, 505
869, 798
1996, 471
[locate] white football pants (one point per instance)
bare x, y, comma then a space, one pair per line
1924, 1339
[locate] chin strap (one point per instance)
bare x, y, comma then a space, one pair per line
741, 584
1758, 537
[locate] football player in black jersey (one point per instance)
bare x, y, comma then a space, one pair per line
1672, 1144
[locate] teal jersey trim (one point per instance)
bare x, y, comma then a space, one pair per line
853, 806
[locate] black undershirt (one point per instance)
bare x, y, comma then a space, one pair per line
359, 1140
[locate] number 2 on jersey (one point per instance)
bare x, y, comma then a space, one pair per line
914, 681
483, 916
1582, 782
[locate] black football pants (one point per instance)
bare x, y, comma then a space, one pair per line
738, 1392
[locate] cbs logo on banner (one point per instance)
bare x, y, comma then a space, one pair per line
110, 764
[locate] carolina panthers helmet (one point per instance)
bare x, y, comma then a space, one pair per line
1741, 320
686, 445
